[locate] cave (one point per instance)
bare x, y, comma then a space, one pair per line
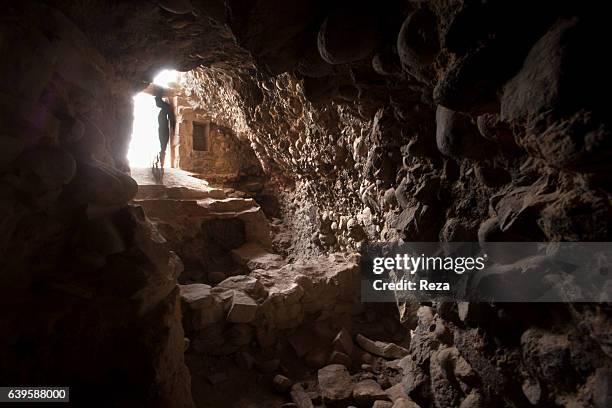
307, 135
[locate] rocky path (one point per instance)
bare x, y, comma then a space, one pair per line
261, 331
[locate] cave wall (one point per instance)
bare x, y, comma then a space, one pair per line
380, 138
451, 121
87, 287
413, 120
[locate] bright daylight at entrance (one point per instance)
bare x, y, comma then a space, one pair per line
144, 145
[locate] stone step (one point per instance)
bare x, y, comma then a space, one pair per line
164, 208
160, 191
176, 184
229, 204
192, 212
253, 256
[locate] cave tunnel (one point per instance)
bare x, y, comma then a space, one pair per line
304, 134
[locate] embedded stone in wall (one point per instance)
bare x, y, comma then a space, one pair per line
347, 37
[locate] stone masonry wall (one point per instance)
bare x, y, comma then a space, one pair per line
227, 157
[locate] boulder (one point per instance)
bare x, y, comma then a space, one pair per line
382, 349
243, 308
366, 392
215, 277
463, 371
405, 218
456, 135
300, 398
196, 295
386, 62
396, 392
405, 403
416, 381
473, 400
317, 357
492, 128
281, 383
389, 198
348, 36
247, 284
200, 307
548, 357
102, 187
335, 382
417, 42
558, 74
532, 391
402, 193
338, 357
444, 386
471, 81
343, 342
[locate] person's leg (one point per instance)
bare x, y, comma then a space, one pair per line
164, 137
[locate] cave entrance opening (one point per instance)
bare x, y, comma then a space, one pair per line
144, 142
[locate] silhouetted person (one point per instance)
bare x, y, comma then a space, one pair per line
167, 121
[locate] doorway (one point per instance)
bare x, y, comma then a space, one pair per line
144, 142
